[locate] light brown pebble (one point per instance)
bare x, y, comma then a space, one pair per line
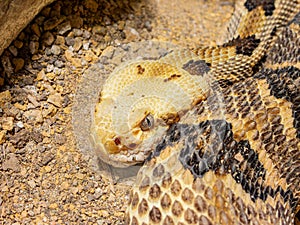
33, 47
18, 44
18, 63
48, 38
55, 99
11, 162
60, 40
36, 29
55, 50
77, 44
2, 136
64, 27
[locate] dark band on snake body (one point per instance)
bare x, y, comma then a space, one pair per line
198, 67
244, 46
284, 84
268, 6
286, 51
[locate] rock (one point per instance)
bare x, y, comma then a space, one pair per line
13, 50
15, 15
55, 10
18, 44
55, 99
76, 21
2, 136
69, 55
64, 27
77, 44
8, 69
48, 38
131, 34
33, 47
5, 96
70, 41
86, 45
77, 32
48, 51
11, 163
60, 40
52, 23
35, 58
20, 124
55, 50
92, 5
31, 183
53, 205
36, 136
121, 25
99, 30
59, 63
19, 64
49, 68
56, 71
33, 100
51, 75
86, 34
41, 75
60, 139
34, 116
90, 56
109, 52
7, 123
36, 29
20, 106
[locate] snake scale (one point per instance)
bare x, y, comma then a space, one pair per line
218, 126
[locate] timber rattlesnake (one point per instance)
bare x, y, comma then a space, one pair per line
219, 126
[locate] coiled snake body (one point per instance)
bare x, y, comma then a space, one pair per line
219, 127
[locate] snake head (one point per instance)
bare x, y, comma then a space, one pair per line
130, 135
138, 103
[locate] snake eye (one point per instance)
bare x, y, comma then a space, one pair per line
147, 123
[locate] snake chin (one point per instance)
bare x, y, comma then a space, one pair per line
122, 152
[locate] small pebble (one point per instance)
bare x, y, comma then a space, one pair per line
13, 50
48, 51
60, 40
77, 44
48, 38
36, 29
86, 45
49, 68
77, 32
55, 49
86, 34
18, 44
70, 41
20, 124
64, 27
59, 63
52, 23
19, 64
33, 47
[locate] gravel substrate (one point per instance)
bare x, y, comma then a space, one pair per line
46, 176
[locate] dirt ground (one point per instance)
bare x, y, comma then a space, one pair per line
45, 176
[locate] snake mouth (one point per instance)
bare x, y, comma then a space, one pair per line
115, 146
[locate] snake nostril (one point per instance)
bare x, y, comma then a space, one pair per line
117, 141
